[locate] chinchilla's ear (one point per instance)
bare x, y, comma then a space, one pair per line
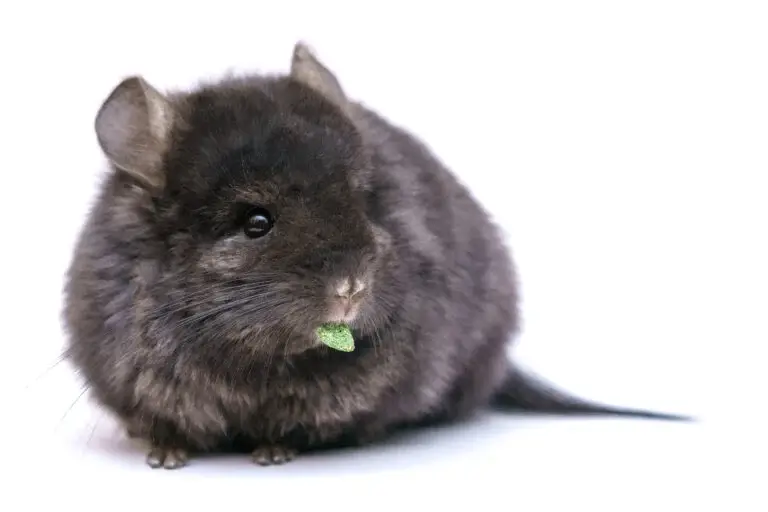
307, 69
133, 128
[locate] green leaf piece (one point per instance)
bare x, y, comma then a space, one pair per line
337, 336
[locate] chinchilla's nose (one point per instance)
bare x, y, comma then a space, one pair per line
344, 297
347, 288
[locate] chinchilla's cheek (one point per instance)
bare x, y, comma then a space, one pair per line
382, 239
227, 257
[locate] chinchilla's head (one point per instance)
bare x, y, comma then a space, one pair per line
256, 194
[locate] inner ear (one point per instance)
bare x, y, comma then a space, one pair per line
133, 128
307, 69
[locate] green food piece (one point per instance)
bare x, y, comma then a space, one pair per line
337, 336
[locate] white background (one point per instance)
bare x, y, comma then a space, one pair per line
623, 146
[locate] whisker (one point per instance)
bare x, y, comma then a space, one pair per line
225, 307
93, 431
192, 289
60, 359
69, 409
215, 320
185, 302
262, 276
201, 288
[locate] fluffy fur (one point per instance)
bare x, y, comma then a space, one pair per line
199, 338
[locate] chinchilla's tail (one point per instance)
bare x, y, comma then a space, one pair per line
523, 392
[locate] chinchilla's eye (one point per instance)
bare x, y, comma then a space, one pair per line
258, 222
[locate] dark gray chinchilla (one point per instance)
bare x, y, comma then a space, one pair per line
239, 217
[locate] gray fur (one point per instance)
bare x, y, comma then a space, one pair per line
199, 338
